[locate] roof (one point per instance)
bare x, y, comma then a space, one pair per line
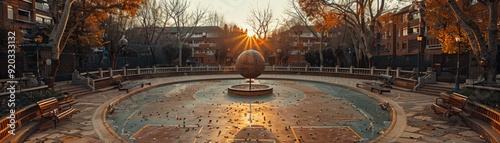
211, 29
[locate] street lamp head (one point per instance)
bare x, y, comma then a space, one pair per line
123, 41
458, 39
38, 39
420, 38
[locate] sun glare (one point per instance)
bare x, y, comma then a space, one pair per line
250, 34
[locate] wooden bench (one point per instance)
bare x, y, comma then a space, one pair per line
67, 102
374, 86
49, 109
116, 80
449, 105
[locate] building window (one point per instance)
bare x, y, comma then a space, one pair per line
10, 12
405, 31
24, 15
43, 19
42, 6
39, 20
414, 30
414, 16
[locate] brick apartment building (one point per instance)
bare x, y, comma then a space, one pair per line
204, 44
398, 46
28, 16
300, 39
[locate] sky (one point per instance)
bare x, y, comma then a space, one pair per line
238, 11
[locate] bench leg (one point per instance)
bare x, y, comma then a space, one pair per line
55, 123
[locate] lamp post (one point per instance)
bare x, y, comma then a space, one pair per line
123, 43
419, 39
279, 56
458, 39
38, 39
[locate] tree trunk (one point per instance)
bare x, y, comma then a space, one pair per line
55, 40
492, 42
152, 51
180, 54
321, 50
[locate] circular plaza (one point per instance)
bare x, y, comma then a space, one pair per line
203, 111
196, 108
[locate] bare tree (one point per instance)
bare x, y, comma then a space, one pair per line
153, 19
262, 21
184, 22
360, 16
215, 19
322, 17
115, 27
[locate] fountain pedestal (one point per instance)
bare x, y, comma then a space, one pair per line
250, 64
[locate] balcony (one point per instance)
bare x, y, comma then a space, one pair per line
201, 45
24, 18
433, 46
308, 44
42, 6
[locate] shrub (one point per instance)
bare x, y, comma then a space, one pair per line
24, 99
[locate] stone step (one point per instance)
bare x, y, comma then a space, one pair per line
75, 89
67, 87
436, 88
80, 91
433, 93
84, 93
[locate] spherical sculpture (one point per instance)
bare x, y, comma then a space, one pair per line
250, 64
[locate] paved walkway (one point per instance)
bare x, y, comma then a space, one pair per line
417, 123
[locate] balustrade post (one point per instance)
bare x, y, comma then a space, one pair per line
220, 68
176, 68
398, 71
288, 69
154, 69
336, 68
351, 69
274, 67
207, 68
388, 71
306, 68
191, 67
100, 72
415, 73
110, 72
124, 71
372, 70
138, 70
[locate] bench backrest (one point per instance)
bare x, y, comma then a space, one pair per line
387, 79
117, 77
458, 99
48, 105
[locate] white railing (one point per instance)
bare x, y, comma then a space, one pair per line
341, 70
344, 70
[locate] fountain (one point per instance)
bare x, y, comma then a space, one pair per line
250, 64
